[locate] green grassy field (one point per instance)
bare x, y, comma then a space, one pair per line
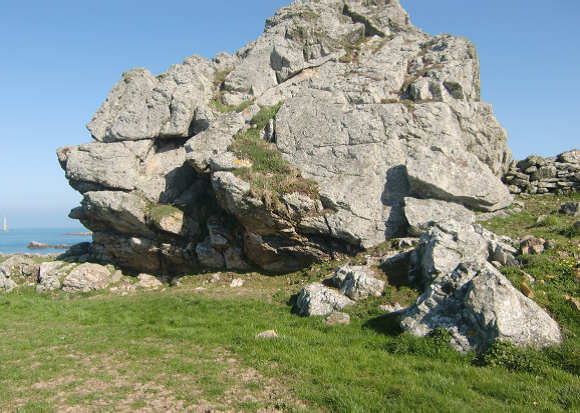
193, 348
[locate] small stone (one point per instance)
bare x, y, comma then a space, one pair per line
541, 218
337, 318
267, 334
528, 277
215, 278
526, 290
238, 282
496, 264
538, 249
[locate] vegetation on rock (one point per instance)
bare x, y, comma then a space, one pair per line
270, 175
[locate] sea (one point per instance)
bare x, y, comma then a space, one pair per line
17, 240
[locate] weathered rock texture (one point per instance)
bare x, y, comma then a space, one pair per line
375, 111
316, 299
538, 175
86, 277
468, 297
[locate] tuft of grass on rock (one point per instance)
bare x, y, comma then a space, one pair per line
270, 176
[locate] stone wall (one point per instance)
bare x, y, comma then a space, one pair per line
537, 175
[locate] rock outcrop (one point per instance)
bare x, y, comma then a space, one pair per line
315, 141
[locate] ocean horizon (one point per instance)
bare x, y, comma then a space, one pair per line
17, 239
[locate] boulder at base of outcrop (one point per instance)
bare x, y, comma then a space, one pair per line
86, 277
357, 282
468, 297
477, 305
20, 269
147, 281
6, 284
50, 275
316, 299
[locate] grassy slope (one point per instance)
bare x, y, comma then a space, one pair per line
162, 350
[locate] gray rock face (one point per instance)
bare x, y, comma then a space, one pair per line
422, 214
86, 277
357, 283
316, 299
455, 176
143, 106
468, 297
375, 112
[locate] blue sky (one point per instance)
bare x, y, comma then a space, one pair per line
61, 57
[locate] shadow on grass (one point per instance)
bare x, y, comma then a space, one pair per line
295, 310
386, 324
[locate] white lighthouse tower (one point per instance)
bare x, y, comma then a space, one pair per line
5, 228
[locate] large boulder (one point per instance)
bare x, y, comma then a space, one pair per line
86, 277
477, 305
51, 274
375, 116
469, 297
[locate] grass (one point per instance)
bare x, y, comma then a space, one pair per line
217, 104
159, 212
195, 348
351, 54
187, 347
271, 176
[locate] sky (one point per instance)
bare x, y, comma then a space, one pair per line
59, 58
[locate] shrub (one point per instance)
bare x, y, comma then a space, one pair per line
505, 354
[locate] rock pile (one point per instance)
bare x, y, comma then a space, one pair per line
537, 175
363, 118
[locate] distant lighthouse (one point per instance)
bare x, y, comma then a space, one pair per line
5, 228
